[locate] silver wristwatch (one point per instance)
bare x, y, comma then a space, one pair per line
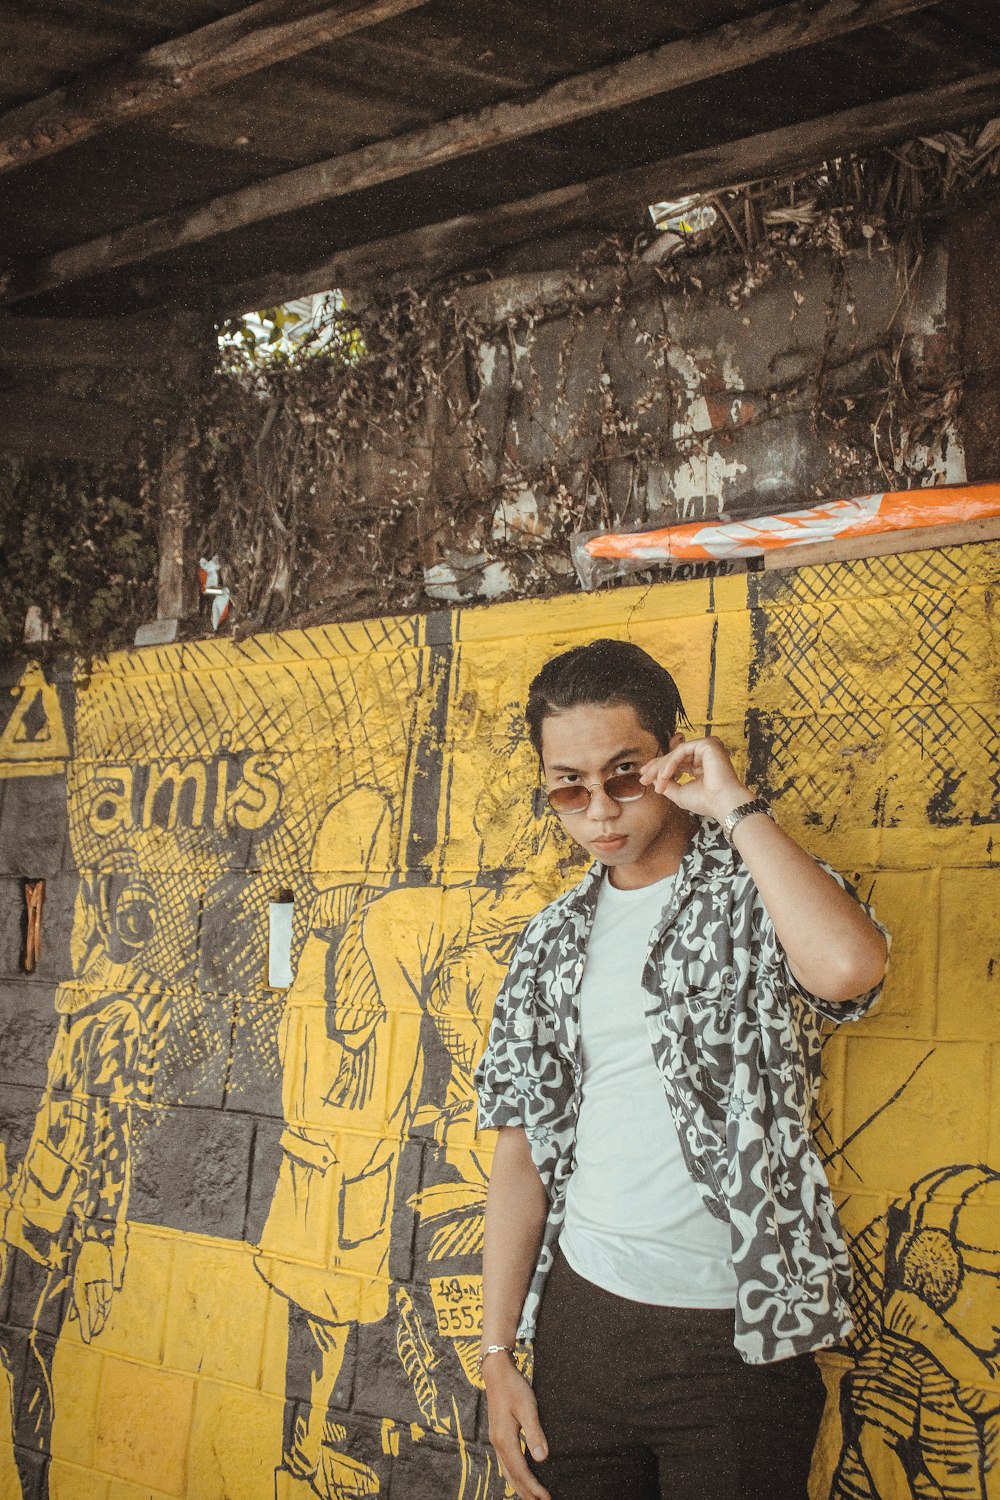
729, 822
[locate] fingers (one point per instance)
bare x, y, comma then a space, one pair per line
697, 776
505, 1435
521, 1480
705, 760
92, 1307
660, 772
533, 1434
100, 1308
82, 1312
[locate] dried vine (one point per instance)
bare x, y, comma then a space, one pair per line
443, 454
80, 545
445, 442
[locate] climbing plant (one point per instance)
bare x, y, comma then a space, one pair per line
80, 546
425, 443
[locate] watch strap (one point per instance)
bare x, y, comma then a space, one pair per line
745, 810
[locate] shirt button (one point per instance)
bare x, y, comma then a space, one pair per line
522, 1028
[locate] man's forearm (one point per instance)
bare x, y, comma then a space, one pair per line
516, 1209
834, 950
832, 947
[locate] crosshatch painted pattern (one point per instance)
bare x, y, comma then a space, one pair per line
241, 1226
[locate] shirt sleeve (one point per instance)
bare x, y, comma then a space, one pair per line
500, 1075
773, 955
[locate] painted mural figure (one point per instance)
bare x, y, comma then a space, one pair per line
325, 1245
378, 963
63, 1231
658, 1222
921, 1410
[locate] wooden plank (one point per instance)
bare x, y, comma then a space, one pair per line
672, 66
175, 591
616, 198
131, 343
49, 426
189, 360
549, 293
886, 543
268, 32
941, 40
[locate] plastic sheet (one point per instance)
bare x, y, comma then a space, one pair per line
602, 555
211, 586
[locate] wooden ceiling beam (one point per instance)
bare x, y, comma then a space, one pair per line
945, 42
130, 343
473, 238
674, 65
39, 425
268, 32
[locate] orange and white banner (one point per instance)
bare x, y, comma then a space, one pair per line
830, 520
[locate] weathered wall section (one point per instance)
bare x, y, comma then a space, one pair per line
638, 394
241, 1225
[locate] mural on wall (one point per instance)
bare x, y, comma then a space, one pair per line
258, 1211
64, 1236
920, 1410
34, 740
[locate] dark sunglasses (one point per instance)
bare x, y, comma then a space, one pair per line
573, 799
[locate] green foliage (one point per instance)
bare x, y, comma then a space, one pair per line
296, 406
79, 544
274, 337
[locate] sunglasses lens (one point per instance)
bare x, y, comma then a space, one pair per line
625, 788
569, 799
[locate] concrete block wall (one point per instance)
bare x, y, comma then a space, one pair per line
241, 1225
596, 400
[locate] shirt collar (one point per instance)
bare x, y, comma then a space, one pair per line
709, 853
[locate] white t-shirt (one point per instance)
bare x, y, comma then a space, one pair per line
635, 1223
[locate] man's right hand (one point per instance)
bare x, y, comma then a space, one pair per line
513, 1411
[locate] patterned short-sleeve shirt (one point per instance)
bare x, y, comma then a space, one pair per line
737, 1041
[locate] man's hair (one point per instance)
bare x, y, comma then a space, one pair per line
606, 672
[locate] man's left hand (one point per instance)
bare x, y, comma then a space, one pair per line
711, 787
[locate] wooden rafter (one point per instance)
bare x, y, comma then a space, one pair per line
672, 66
133, 343
39, 424
438, 248
256, 37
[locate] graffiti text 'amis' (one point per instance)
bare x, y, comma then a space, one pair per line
230, 792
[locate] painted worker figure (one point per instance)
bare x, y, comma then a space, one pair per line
64, 1215
325, 1244
658, 1221
375, 960
921, 1410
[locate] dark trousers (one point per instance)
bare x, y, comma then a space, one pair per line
654, 1403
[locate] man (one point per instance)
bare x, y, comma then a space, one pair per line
658, 1220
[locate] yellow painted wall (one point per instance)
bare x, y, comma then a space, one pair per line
242, 1232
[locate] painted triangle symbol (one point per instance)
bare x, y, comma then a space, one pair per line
34, 741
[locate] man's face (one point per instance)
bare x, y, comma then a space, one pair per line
638, 841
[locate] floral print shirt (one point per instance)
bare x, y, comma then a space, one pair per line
738, 1044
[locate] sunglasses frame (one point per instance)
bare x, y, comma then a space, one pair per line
605, 787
